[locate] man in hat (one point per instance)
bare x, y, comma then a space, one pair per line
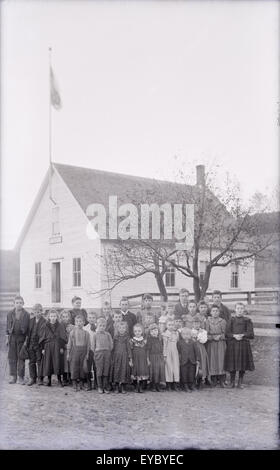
17, 330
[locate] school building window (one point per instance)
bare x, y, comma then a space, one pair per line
202, 269
38, 275
170, 277
234, 279
76, 272
55, 221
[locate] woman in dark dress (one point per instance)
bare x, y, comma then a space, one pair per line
140, 371
53, 339
121, 358
155, 358
239, 354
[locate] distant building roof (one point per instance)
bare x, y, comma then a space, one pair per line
9, 271
268, 222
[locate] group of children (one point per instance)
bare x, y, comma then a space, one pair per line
182, 347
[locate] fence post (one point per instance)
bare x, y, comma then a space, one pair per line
249, 298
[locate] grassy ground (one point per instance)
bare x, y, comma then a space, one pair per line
58, 418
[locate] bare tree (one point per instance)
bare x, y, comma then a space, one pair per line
225, 231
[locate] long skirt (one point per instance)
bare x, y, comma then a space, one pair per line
216, 355
157, 369
204, 361
120, 369
140, 369
53, 361
239, 355
188, 373
172, 366
77, 363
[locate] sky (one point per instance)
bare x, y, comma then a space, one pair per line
145, 87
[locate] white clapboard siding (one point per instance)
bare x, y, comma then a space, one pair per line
36, 247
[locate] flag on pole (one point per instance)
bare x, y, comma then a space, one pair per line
54, 93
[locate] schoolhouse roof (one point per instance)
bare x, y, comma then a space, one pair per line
90, 186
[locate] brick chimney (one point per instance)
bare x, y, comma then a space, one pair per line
200, 175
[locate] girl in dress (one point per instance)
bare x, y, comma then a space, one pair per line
53, 339
238, 354
117, 319
200, 336
121, 358
203, 313
171, 356
66, 321
191, 317
216, 346
139, 362
155, 358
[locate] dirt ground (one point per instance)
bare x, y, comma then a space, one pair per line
59, 418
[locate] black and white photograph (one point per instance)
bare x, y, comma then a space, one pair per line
140, 228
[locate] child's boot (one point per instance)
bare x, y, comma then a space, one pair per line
100, 384
12, 380
122, 389
31, 382
158, 388
140, 387
65, 381
21, 380
106, 385
76, 386
240, 379
49, 384
213, 381
177, 387
232, 379
88, 385
60, 383
222, 381
153, 387
41, 381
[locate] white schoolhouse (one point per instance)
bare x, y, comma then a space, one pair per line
61, 256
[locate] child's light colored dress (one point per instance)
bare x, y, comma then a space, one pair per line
170, 352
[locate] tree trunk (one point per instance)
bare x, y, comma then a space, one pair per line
161, 287
196, 289
196, 284
205, 282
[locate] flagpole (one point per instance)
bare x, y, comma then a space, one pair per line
50, 129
